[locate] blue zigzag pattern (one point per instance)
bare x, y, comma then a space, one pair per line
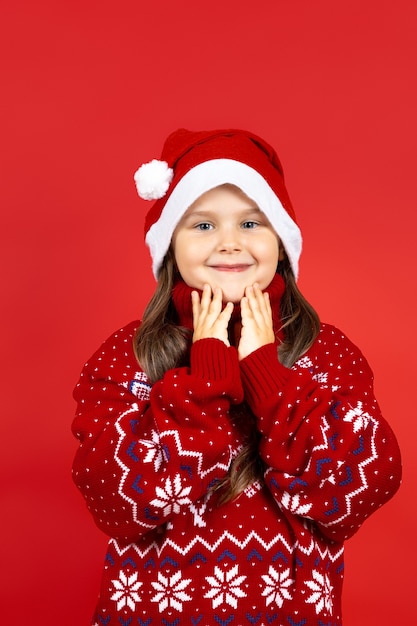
348, 478
254, 554
300, 623
361, 447
335, 508
333, 410
170, 561
320, 463
135, 485
297, 481
279, 555
131, 453
226, 554
224, 622
198, 557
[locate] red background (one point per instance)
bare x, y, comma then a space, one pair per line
89, 92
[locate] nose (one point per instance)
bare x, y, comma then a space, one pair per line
230, 240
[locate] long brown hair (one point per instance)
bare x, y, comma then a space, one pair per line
161, 344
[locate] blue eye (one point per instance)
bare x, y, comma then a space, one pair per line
203, 226
250, 224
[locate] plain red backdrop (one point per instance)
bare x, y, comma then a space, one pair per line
89, 92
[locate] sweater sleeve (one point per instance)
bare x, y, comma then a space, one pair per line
330, 455
146, 452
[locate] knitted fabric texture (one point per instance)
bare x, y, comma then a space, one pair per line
149, 457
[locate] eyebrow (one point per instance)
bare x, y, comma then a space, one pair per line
203, 212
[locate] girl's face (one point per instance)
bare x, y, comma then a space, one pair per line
224, 240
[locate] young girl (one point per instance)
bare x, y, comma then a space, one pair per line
229, 442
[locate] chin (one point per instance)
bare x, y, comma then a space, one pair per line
235, 296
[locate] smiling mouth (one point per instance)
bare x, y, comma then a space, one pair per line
241, 267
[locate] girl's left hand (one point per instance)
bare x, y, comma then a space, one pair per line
257, 326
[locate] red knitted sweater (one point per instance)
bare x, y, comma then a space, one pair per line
149, 456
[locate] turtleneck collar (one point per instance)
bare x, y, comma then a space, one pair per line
181, 296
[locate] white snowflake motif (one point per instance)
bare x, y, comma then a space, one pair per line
140, 386
171, 592
155, 452
320, 377
253, 489
359, 418
173, 497
199, 511
305, 362
292, 503
277, 584
225, 587
126, 593
322, 592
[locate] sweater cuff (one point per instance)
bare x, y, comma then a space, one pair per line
262, 374
212, 360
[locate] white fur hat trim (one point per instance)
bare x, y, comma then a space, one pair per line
208, 175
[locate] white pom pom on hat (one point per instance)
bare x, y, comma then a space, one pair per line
195, 162
152, 179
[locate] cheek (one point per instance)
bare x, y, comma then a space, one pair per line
180, 249
271, 252
186, 256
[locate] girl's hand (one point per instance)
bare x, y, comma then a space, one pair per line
257, 326
208, 318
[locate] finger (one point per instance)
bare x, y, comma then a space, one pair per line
244, 303
245, 311
217, 297
206, 315
215, 306
255, 304
264, 303
261, 305
196, 308
206, 297
226, 314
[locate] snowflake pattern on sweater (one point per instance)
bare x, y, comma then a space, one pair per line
150, 455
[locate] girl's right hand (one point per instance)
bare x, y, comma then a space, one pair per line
210, 321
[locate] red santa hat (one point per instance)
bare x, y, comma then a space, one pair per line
195, 162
